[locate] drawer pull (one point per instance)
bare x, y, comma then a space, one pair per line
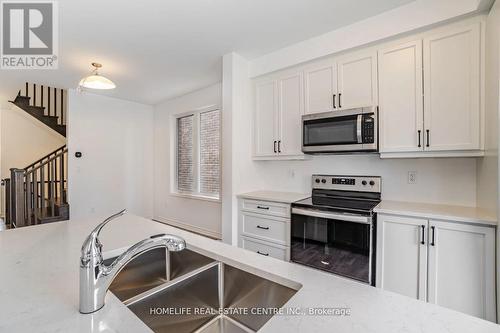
262, 207
325, 263
264, 228
264, 254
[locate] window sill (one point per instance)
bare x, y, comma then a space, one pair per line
195, 197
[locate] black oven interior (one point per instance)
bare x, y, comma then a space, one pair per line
336, 246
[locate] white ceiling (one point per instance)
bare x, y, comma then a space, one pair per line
157, 49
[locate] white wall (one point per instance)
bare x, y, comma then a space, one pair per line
487, 168
117, 143
24, 139
401, 20
202, 216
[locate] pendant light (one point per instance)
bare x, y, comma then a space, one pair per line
95, 80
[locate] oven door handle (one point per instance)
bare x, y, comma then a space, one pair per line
333, 216
359, 128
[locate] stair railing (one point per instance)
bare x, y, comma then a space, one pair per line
32, 193
52, 99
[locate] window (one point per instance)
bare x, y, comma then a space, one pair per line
198, 154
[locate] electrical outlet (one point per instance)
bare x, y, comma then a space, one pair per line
412, 177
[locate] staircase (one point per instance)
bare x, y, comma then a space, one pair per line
37, 194
45, 103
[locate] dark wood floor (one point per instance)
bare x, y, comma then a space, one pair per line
331, 259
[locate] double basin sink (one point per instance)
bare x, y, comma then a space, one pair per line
189, 292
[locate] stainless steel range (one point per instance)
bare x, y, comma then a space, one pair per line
334, 230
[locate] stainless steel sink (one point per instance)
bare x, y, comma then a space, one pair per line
152, 269
199, 295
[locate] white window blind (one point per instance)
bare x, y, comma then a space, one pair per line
198, 154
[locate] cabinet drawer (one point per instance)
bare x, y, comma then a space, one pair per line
264, 248
259, 226
267, 207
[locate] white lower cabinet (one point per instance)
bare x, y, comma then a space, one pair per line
265, 248
442, 262
264, 228
401, 256
462, 268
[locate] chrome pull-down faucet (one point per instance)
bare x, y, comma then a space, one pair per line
96, 277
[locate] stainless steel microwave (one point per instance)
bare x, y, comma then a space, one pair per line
354, 130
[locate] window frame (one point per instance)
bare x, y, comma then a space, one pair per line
174, 188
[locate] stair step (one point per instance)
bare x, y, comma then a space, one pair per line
38, 113
22, 100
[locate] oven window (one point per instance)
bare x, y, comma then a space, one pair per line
335, 246
331, 131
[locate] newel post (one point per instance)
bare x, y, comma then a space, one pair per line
17, 197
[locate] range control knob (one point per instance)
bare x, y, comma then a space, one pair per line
372, 182
317, 180
323, 180
363, 182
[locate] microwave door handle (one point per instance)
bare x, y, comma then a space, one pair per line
359, 124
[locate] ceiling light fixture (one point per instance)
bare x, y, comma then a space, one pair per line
95, 80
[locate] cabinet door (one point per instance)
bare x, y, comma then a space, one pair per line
461, 268
291, 109
357, 80
401, 98
401, 256
452, 89
266, 114
320, 85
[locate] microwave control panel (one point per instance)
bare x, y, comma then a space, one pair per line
368, 128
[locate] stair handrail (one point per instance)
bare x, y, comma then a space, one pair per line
45, 157
38, 167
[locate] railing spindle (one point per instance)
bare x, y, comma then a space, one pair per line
61, 185
52, 188
48, 100
62, 107
41, 98
55, 102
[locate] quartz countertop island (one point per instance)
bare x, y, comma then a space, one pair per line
39, 286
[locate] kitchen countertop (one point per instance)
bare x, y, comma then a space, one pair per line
39, 286
283, 197
463, 214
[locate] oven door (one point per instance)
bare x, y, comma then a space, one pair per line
337, 243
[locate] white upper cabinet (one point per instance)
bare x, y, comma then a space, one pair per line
320, 87
428, 89
462, 268
291, 110
401, 98
279, 106
265, 125
402, 255
357, 80
452, 70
